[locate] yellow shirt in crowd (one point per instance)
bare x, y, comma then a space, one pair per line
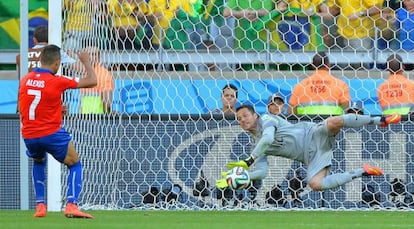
359, 28
305, 4
124, 13
78, 15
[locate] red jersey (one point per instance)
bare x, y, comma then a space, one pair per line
40, 102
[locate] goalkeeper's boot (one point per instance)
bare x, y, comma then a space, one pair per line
41, 210
390, 119
372, 170
72, 211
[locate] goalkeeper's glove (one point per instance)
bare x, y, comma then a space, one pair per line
244, 163
222, 183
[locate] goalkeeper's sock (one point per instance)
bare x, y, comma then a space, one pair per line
39, 180
336, 180
74, 182
355, 120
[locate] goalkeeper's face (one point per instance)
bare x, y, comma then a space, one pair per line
247, 119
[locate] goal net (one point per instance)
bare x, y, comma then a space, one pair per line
158, 145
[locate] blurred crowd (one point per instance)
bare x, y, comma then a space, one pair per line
239, 24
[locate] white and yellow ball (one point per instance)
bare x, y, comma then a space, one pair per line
238, 178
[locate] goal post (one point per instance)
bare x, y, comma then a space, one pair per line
24, 162
54, 168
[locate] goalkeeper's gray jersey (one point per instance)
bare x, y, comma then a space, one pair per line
290, 140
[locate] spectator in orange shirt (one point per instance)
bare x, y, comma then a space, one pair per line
97, 100
396, 94
126, 16
320, 93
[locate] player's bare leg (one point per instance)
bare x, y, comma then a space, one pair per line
72, 156
315, 183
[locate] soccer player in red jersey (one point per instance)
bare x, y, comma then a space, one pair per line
40, 106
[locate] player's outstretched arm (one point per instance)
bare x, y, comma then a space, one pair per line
259, 149
90, 79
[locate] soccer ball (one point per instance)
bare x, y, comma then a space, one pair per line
238, 178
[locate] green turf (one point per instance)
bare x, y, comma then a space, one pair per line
214, 219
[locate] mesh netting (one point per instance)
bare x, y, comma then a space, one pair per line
174, 57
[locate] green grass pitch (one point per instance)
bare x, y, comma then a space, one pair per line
213, 219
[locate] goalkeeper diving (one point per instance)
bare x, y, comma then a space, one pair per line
307, 142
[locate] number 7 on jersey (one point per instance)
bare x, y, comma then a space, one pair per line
37, 95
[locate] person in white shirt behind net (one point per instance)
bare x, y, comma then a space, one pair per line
276, 104
229, 96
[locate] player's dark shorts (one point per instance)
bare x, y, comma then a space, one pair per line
55, 144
